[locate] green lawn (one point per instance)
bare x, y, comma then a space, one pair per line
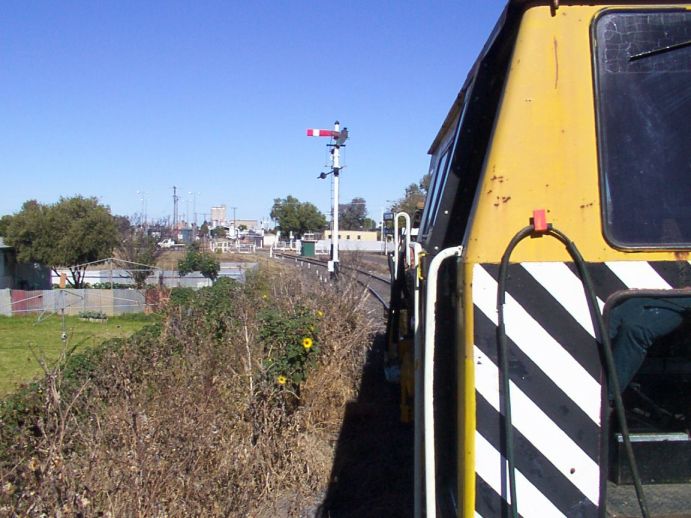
26, 338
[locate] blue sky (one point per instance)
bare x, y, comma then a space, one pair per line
112, 98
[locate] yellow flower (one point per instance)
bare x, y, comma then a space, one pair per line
33, 464
281, 380
320, 313
307, 342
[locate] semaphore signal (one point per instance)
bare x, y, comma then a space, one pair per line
338, 139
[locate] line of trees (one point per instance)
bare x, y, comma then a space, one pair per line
292, 215
67, 234
414, 197
77, 231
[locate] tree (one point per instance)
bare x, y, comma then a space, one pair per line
414, 197
70, 233
203, 262
370, 224
219, 232
4, 223
137, 247
297, 217
353, 215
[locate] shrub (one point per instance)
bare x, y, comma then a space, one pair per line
186, 417
181, 296
96, 315
290, 343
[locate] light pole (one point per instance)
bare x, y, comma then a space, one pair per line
194, 206
142, 198
187, 212
235, 227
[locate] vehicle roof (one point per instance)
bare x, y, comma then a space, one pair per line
510, 16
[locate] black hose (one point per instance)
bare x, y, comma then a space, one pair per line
504, 363
610, 370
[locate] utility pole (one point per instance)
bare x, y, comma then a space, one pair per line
338, 139
235, 226
194, 206
175, 207
143, 222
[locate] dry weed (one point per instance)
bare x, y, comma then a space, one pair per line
185, 420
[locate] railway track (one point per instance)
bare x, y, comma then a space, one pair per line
377, 285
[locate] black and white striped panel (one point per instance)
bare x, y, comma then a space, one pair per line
555, 382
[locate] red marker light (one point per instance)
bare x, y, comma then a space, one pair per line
540, 220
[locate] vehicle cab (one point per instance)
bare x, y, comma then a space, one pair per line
570, 133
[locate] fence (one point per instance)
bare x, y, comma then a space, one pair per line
109, 301
167, 278
73, 302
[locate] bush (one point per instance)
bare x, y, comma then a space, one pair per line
290, 343
187, 417
181, 296
96, 315
203, 262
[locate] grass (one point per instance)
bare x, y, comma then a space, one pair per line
26, 339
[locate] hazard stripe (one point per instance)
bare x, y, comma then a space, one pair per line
492, 469
567, 288
487, 501
555, 370
553, 317
539, 389
677, 274
560, 366
605, 282
638, 274
537, 428
530, 462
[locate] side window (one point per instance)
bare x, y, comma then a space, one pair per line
643, 99
434, 195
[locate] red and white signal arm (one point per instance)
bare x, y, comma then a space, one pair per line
321, 133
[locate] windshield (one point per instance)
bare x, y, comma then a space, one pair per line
643, 95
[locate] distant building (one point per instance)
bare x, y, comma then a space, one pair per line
22, 276
248, 224
354, 235
218, 216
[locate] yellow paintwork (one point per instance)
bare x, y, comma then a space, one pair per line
466, 394
543, 154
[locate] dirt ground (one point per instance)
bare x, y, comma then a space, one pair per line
372, 475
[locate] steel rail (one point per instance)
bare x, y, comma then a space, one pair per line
357, 271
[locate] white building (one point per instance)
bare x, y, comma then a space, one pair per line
218, 216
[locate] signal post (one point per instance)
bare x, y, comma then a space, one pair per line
338, 139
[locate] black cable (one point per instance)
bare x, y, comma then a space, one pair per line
612, 378
504, 363
610, 370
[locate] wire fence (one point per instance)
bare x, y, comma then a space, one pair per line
75, 301
116, 299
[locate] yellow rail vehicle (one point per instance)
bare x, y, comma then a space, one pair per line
558, 219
